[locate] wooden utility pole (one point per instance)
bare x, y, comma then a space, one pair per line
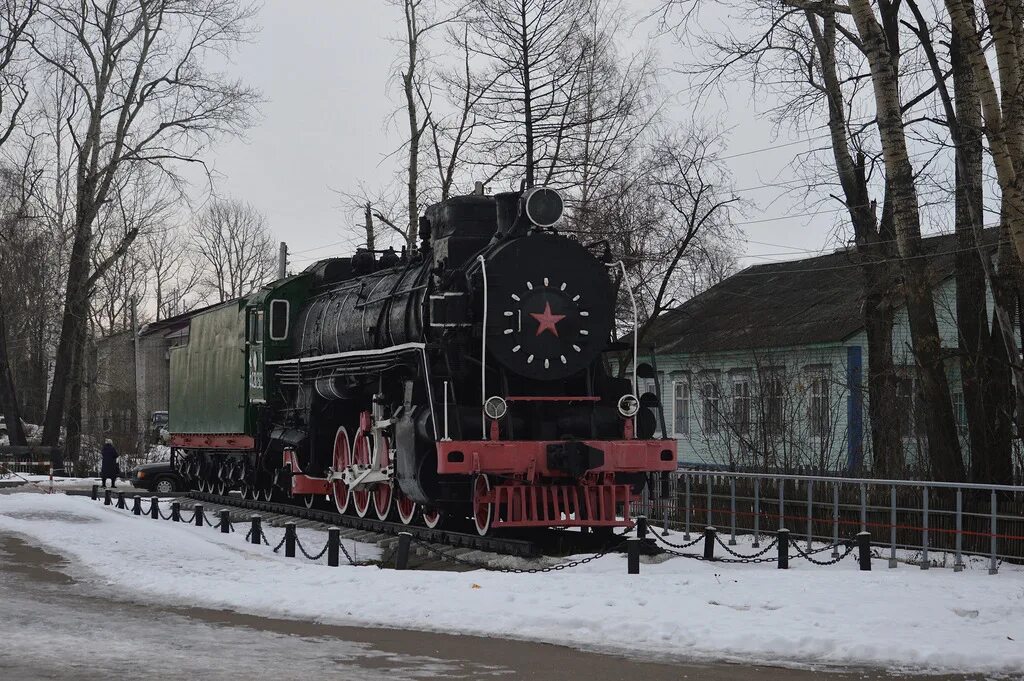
282, 261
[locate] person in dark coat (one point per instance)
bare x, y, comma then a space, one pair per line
108, 466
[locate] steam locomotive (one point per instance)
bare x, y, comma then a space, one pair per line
464, 379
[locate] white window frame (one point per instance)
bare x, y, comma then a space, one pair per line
741, 378
287, 318
676, 384
819, 376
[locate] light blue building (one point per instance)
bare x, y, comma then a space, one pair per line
769, 367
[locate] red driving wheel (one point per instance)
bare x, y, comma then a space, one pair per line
483, 507
383, 492
342, 458
362, 454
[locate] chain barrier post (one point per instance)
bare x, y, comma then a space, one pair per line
176, 511
992, 568
256, 532
810, 515
641, 527
732, 510
958, 563
757, 514
95, 492
835, 520
198, 513
783, 537
708, 519
402, 554
225, 521
924, 529
864, 550
686, 532
709, 543
892, 526
289, 540
154, 508
137, 505
333, 542
120, 501
782, 503
666, 494
633, 555
106, 497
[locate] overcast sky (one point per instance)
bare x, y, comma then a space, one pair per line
324, 67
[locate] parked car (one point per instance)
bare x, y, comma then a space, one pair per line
159, 478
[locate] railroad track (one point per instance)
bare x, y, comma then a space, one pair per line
520, 548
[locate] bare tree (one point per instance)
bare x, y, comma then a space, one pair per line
15, 18
139, 94
236, 249
174, 278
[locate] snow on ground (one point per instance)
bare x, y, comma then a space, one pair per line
906, 618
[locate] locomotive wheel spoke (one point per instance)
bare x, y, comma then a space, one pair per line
383, 493
483, 510
362, 454
339, 490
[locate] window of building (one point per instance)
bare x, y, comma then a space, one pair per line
819, 410
960, 413
741, 402
905, 405
773, 390
710, 398
681, 407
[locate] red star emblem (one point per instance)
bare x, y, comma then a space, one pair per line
546, 321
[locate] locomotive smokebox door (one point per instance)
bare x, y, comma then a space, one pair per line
548, 308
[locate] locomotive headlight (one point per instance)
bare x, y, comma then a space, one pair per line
629, 405
495, 407
543, 206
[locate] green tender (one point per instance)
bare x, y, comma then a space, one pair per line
208, 376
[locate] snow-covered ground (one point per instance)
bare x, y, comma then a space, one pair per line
905, 618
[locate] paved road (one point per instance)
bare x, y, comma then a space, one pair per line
65, 629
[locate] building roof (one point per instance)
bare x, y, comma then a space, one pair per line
799, 302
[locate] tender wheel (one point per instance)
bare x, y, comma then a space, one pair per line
339, 490
383, 493
266, 493
362, 454
222, 488
406, 508
245, 490
483, 509
431, 518
164, 486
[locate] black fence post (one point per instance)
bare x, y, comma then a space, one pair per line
289, 540
333, 542
402, 555
633, 555
137, 505
225, 521
256, 531
783, 537
95, 492
154, 508
641, 527
176, 511
198, 512
709, 543
864, 550
120, 500
106, 497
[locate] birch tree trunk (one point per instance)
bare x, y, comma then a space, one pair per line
943, 445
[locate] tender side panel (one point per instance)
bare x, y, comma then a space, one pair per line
209, 375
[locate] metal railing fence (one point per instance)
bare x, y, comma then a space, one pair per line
930, 520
